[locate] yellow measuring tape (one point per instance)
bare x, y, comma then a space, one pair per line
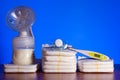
59, 60
97, 66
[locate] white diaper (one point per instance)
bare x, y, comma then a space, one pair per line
58, 53
58, 61
59, 58
20, 68
92, 65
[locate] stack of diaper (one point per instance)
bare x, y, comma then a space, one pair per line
12, 68
92, 65
55, 60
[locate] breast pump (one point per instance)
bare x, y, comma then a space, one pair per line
21, 19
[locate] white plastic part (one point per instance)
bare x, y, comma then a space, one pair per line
23, 43
23, 34
45, 45
59, 43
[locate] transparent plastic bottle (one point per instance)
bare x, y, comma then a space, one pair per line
23, 50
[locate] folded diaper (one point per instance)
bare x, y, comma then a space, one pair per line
57, 52
59, 70
55, 67
55, 60
96, 70
92, 65
94, 61
60, 63
96, 66
20, 68
60, 58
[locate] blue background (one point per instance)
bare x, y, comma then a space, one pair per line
86, 24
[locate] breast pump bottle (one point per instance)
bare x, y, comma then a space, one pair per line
21, 19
